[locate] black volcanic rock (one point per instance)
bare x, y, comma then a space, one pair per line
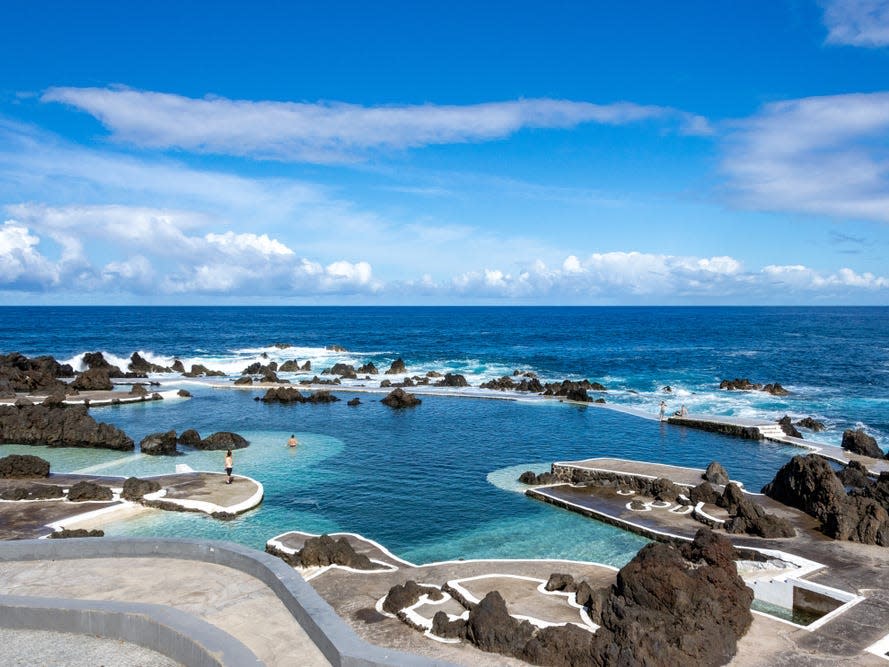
452, 380
789, 429
283, 395
703, 493
18, 373
244, 380
83, 491
716, 474
750, 518
134, 488
354, 402
69, 426
94, 379
343, 370
76, 532
23, 465
812, 424
190, 437
33, 492
177, 366
859, 442
492, 629
141, 365
290, 366
159, 444
368, 369
199, 369
397, 367
324, 550
399, 398
532, 478
403, 595
222, 440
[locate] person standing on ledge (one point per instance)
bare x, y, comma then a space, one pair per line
293, 442
663, 409
229, 464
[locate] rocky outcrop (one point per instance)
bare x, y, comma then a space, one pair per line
18, 373
859, 442
244, 380
573, 390
812, 424
84, 491
70, 426
397, 367
407, 594
750, 518
22, 466
368, 369
855, 475
809, 484
346, 371
76, 532
716, 474
177, 366
33, 492
323, 551
506, 383
353, 402
94, 379
789, 429
135, 488
336, 348
317, 380
703, 493
532, 478
399, 398
190, 437
289, 366
452, 380
222, 440
138, 389
159, 444
140, 365
744, 384
293, 395
198, 370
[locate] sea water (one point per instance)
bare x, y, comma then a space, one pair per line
435, 482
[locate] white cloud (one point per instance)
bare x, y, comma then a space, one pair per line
334, 131
21, 264
857, 22
817, 155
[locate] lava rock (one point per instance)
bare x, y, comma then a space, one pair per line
321, 396
492, 629
855, 475
750, 518
442, 626
33, 492
23, 465
138, 389
402, 596
94, 379
76, 532
343, 370
703, 493
159, 444
244, 380
69, 426
398, 398
789, 429
222, 440
177, 366
324, 550
561, 582
134, 488
368, 369
190, 437
283, 395
354, 402
199, 369
290, 366
859, 442
532, 478
140, 365
812, 424
83, 491
183, 393
716, 474
397, 367
452, 380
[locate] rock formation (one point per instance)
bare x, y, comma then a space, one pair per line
859, 442
343, 370
812, 424
744, 384
532, 478
70, 426
507, 383
33, 492
83, 491
134, 488
23, 465
94, 379
452, 380
353, 402
399, 398
76, 532
324, 550
293, 395
140, 365
368, 369
190, 437
716, 474
222, 440
397, 367
749, 517
789, 429
199, 369
159, 444
18, 373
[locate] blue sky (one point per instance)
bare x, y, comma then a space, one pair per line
471, 153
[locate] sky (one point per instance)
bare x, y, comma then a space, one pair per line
707, 152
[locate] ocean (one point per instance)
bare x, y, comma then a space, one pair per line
438, 481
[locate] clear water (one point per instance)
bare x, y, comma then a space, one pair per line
793, 615
432, 483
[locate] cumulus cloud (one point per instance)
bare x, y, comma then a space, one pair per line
21, 264
818, 155
857, 22
334, 131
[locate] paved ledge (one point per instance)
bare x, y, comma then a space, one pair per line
335, 639
173, 633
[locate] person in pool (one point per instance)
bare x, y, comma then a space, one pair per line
293, 442
229, 464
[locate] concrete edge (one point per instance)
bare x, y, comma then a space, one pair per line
330, 633
176, 634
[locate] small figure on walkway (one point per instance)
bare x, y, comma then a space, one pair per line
229, 464
663, 410
293, 442
683, 411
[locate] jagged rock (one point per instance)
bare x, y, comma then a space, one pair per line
245, 380
739, 384
665, 490
560, 645
222, 440
789, 429
336, 348
775, 389
368, 369
716, 474
317, 380
398, 398
94, 379
859, 519
18, 373
156, 397
190, 437
321, 396
199, 369
33, 492
291, 366
859, 442
703, 493
134, 488
76, 532
141, 365
183, 393
23, 465
281, 346
385, 384
573, 390
530, 477
307, 366
452, 380
675, 607
502, 384
403, 595
492, 629
159, 444
354, 401
811, 424
561, 582
83, 491
177, 366
855, 475
343, 370
667, 390
324, 550
69, 426
283, 395
750, 518
397, 367
442, 626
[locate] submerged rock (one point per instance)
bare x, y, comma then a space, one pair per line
354, 402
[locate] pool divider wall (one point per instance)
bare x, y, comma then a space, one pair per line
336, 640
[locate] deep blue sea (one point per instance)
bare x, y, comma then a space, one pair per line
437, 482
